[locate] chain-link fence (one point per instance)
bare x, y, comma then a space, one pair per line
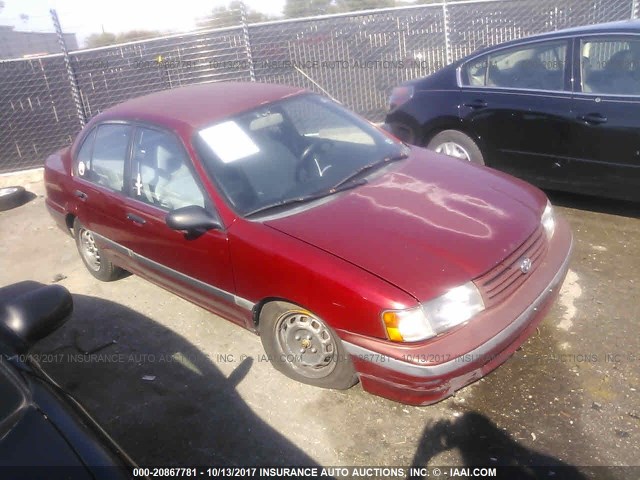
355, 58
110, 75
37, 113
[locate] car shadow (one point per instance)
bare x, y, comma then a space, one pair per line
481, 443
594, 204
157, 394
166, 403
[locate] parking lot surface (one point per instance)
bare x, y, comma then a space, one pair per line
176, 385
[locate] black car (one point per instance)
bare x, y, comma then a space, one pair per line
561, 110
44, 432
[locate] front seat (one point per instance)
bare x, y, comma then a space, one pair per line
586, 74
168, 162
176, 186
617, 73
530, 73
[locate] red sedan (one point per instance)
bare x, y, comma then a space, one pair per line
351, 254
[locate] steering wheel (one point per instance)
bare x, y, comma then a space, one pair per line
310, 165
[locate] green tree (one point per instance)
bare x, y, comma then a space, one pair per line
106, 38
308, 8
100, 39
355, 5
230, 16
133, 35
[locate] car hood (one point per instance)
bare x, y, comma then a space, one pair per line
424, 224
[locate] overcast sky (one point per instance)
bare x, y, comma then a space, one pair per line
84, 17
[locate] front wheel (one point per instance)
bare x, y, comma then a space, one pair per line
93, 257
304, 348
456, 144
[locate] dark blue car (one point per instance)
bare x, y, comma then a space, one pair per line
559, 110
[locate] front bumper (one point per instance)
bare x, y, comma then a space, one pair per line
427, 372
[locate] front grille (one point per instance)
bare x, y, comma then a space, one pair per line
506, 277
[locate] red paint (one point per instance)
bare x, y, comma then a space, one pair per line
418, 228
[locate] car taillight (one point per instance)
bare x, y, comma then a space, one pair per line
400, 95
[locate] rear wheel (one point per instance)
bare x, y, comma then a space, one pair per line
303, 347
456, 144
92, 255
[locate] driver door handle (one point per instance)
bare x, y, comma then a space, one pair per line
81, 195
136, 218
593, 118
476, 104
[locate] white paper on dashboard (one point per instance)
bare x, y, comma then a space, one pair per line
228, 141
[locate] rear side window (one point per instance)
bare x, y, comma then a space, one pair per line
610, 66
102, 156
84, 156
539, 66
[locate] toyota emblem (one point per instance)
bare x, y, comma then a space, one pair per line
525, 265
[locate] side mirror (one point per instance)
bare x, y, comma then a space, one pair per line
192, 219
29, 311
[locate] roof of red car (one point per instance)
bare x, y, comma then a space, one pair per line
199, 105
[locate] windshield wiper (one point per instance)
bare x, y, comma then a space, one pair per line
306, 198
371, 166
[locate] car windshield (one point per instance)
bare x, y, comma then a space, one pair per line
294, 150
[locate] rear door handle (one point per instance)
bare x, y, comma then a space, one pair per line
136, 219
476, 104
593, 118
81, 195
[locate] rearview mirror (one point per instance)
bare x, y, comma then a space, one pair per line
265, 121
192, 219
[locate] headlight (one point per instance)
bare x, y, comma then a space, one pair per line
453, 308
548, 220
407, 325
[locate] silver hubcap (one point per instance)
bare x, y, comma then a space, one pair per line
306, 344
89, 250
7, 191
453, 150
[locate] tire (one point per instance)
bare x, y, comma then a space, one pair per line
456, 144
93, 256
11, 197
286, 330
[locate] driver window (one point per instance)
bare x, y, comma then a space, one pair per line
161, 172
539, 66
